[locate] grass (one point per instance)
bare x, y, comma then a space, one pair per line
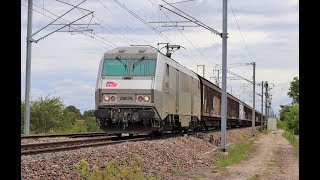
236, 154
293, 140
289, 135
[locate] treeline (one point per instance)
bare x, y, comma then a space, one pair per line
289, 114
50, 115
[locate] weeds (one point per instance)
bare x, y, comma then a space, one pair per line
236, 154
293, 140
112, 171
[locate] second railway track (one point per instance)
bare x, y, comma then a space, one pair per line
36, 148
73, 135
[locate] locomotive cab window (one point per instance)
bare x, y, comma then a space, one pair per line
142, 67
115, 67
125, 67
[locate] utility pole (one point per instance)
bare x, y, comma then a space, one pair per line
218, 78
254, 99
28, 54
202, 69
261, 106
224, 77
266, 103
224, 36
212, 76
28, 71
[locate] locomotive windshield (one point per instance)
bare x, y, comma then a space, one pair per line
142, 67
115, 67
134, 67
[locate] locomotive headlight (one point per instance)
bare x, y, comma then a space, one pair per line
146, 98
109, 98
106, 98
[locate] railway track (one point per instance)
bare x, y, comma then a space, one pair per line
36, 148
73, 135
45, 147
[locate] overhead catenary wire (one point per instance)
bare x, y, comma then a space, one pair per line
114, 45
182, 1
81, 33
110, 44
202, 24
180, 31
192, 19
140, 19
107, 24
187, 56
57, 18
183, 53
238, 27
103, 26
109, 10
143, 21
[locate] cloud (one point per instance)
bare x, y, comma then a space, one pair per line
63, 61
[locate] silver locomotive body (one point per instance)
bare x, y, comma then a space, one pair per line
140, 90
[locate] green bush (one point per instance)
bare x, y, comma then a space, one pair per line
284, 111
112, 171
48, 115
45, 114
89, 113
91, 124
292, 121
73, 109
281, 124
290, 118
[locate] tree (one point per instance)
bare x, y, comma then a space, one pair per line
292, 118
294, 90
90, 121
73, 109
283, 111
89, 113
48, 115
45, 114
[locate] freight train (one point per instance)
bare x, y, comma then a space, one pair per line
141, 90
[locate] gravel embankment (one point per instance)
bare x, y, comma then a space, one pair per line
160, 158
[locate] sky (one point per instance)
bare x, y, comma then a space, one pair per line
65, 64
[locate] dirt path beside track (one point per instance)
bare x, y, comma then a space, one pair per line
273, 158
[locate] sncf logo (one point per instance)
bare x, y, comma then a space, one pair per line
111, 84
